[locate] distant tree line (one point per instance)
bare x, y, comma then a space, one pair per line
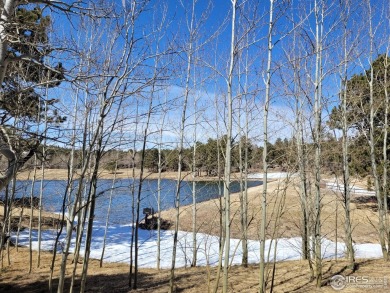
56, 157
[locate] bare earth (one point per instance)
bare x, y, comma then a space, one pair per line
284, 215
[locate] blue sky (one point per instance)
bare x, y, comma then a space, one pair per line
205, 82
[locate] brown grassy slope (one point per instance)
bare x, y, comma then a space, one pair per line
291, 276
62, 174
363, 220
49, 220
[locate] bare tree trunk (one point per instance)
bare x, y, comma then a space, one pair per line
385, 147
139, 192
92, 203
31, 214
226, 186
262, 281
303, 193
221, 220
243, 166
372, 144
194, 229
132, 192
346, 180
109, 208
98, 144
75, 207
8, 9
41, 187
319, 14
181, 142
160, 167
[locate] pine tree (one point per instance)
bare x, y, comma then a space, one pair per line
24, 77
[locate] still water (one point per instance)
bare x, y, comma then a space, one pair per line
120, 192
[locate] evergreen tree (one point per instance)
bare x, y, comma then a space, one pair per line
25, 79
358, 110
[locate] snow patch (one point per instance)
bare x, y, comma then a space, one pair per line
338, 187
118, 247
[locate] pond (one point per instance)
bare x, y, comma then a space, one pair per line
120, 191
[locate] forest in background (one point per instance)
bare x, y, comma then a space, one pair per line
282, 156
195, 86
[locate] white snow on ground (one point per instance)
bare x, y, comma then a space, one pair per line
118, 242
118, 247
338, 187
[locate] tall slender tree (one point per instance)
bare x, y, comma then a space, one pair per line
270, 46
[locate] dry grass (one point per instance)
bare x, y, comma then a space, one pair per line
62, 174
364, 220
290, 276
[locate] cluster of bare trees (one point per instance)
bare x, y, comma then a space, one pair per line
144, 74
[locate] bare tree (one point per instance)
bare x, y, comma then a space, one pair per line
346, 178
193, 28
371, 138
228, 149
265, 150
319, 9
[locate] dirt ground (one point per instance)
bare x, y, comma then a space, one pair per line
290, 276
284, 221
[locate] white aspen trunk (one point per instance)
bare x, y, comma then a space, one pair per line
31, 214
319, 14
385, 147
139, 192
13, 189
132, 192
303, 186
98, 144
371, 141
301, 155
262, 281
181, 142
226, 186
221, 221
74, 207
242, 151
346, 181
41, 188
194, 229
160, 166
91, 213
109, 209
246, 165
245, 195
7, 10
78, 202
111, 196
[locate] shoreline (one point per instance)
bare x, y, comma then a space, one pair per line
289, 221
62, 174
